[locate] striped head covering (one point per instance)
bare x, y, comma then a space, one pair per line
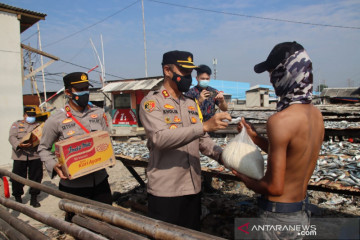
293, 80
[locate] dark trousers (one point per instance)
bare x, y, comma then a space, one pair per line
100, 192
31, 168
183, 211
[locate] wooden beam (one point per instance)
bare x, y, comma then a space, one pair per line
39, 52
38, 70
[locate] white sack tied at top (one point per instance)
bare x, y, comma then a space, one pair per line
242, 155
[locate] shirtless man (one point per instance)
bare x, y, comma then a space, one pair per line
295, 134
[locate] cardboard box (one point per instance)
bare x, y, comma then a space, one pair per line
34, 136
84, 154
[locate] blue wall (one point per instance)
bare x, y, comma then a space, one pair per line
235, 89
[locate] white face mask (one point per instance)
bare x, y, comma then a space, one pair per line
204, 83
30, 119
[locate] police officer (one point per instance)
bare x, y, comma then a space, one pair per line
25, 156
176, 134
58, 127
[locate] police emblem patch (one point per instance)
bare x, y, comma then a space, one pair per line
193, 120
149, 105
191, 108
94, 116
173, 126
168, 106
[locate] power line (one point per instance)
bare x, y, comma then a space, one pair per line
73, 34
89, 68
251, 16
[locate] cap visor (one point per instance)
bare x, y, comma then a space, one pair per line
260, 68
81, 85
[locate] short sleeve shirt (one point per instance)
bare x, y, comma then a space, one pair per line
208, 106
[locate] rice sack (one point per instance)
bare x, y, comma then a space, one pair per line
242, 155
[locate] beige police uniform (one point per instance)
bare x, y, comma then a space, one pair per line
17, 131
175, 137
59, 127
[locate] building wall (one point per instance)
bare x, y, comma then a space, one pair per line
11, 100
252, 99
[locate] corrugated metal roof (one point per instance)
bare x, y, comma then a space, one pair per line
340, 92
147, 84
27, 19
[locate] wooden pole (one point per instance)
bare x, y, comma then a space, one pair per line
105, 229
130, 220
21, 226
11, 232
148, 226
72, 229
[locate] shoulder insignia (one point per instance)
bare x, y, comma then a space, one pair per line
67, 120
21, 129
176, 119
20, 124
67, 108
149, 105
14, 126
167, 120
94, 116
165, 94
193, 120
191, 108
173, 126
168, 106
69, 133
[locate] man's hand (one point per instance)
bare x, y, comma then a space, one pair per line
245, 179
203, 96
249, 128
216, 122
220, 97
25, 145
58, 170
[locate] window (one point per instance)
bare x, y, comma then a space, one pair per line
122, 101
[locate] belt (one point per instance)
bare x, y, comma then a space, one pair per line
279, 207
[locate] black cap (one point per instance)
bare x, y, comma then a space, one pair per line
180, 58
76, 80
203, 69
280, 52
30, 111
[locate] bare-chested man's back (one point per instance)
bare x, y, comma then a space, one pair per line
299, 130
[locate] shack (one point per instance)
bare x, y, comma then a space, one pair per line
257, 97
340, 95
123, 103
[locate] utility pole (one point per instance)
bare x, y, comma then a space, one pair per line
30, 69
42, 70
143, 16
215, 63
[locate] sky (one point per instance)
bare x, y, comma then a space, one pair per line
237, 33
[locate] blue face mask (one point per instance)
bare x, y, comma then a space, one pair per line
30, 119
204, 83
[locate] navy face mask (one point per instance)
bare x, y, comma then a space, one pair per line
183, 82
81, 98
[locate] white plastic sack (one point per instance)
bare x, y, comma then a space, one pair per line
242, 155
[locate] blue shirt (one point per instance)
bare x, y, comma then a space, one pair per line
208, 106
